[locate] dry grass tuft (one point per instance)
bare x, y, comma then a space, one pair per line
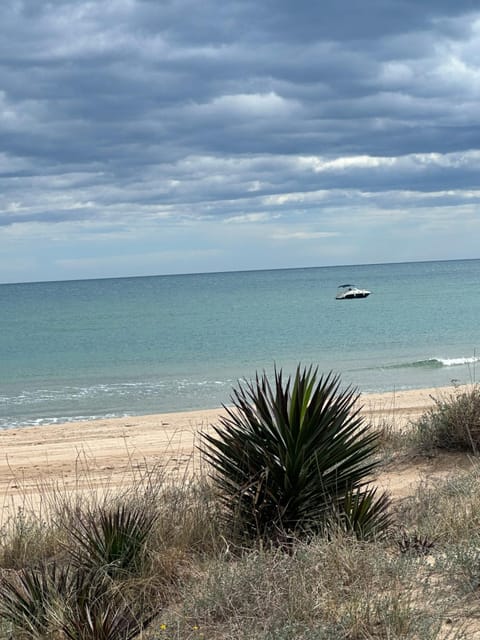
453, 423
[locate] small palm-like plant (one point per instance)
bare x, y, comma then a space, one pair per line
289, 456
29, 596
96, 610
112, 539
70, 603
365, 513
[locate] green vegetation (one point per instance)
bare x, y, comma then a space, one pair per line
453, 423
291, 458
111, 539
87, 596
162, 560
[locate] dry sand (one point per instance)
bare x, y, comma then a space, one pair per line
109, 452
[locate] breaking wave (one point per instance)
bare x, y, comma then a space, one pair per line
436, 363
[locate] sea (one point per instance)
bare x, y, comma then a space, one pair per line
87, 349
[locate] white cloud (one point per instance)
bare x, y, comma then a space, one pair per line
303, 235
248, 218
340, 164
469, 158
259, 105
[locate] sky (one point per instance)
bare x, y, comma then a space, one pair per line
142, 137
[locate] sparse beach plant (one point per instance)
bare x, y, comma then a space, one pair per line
70, 603
29, 596
326, 588
445, 509
288, 456
27, 539
453, 422
365, 512
112, 538
96, 609
188, 517
414, 543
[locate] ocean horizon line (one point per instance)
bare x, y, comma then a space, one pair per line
240, 271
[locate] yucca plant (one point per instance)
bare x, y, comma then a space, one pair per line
288, 456
112, 538
365, 513
95, 609
28, 598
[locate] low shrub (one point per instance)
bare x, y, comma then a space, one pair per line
27, 539
453, 423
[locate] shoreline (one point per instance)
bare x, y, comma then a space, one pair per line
408, 397
111, 452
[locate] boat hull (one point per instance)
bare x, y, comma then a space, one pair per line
351, 296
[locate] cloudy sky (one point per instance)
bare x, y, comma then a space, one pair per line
175, 136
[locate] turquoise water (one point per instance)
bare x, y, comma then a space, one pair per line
112, 347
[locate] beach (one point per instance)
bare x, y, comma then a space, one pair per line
112, 452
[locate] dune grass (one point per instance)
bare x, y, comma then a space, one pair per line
453, 422
156, 561
195, 582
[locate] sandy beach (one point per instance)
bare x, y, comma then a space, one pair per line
110, 452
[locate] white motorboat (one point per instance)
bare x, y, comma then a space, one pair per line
350, 292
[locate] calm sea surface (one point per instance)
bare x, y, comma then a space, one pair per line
112, 347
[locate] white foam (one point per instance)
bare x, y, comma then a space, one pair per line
38, 422
452, 362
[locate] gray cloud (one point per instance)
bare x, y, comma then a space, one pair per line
132, 113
